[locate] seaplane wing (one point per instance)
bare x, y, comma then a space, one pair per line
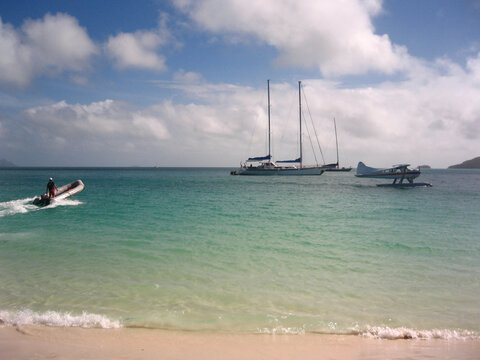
395, 172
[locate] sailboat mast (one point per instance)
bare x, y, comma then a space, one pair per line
300, 118
336, 139
269, 146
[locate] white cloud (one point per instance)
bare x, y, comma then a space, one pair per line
16, 66
115, 133
187, 76
59, 42
337, 37
80, 80
150, 126
53, 44
97, 120
433, 118
473, 64
139, 49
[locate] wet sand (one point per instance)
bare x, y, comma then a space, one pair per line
39, 342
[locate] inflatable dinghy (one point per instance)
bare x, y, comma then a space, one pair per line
63, 192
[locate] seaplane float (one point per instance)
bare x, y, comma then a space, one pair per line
397, 173
62, 192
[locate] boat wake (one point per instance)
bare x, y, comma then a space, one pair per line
20, 206
62, 202
23, 206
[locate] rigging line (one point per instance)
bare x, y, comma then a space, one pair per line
311, 143
266, 141
314, 129
272, 137
290, 116
249, 148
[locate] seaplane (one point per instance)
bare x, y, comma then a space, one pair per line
397, 173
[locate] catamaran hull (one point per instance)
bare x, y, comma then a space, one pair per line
280, 171
62, 192
338, 169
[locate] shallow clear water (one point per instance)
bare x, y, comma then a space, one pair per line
199, 249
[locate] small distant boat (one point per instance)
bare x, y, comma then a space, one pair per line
265, 164
63, 192
335, 166
397, 173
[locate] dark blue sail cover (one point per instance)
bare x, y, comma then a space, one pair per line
290, 161
260, 158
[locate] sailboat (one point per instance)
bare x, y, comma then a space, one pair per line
335, 166
265, 164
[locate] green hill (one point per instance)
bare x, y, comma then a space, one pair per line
469, 164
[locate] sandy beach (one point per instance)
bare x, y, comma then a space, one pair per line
39, 342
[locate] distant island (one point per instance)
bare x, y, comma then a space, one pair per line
469, 164
424, 167
6, 163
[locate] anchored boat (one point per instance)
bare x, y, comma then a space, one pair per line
62, 192
397, 173
266, 165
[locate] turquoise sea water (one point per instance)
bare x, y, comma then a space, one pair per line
198, 249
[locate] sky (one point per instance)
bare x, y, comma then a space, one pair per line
184, 82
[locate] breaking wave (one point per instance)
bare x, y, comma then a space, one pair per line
57, 319
88, 320
282, 331
380, 332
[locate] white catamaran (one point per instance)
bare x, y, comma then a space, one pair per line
265, 164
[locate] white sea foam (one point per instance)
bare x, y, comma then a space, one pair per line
282, 331
20, 206
57, 319
63, 202
385, 332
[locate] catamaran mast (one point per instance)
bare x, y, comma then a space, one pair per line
336, 139
269, 146
300, 118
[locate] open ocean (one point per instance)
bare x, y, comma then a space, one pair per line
198, 249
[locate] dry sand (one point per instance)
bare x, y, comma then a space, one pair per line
38, 342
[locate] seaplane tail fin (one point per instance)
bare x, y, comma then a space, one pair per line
363, 169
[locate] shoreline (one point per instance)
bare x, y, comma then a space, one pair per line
41, 342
